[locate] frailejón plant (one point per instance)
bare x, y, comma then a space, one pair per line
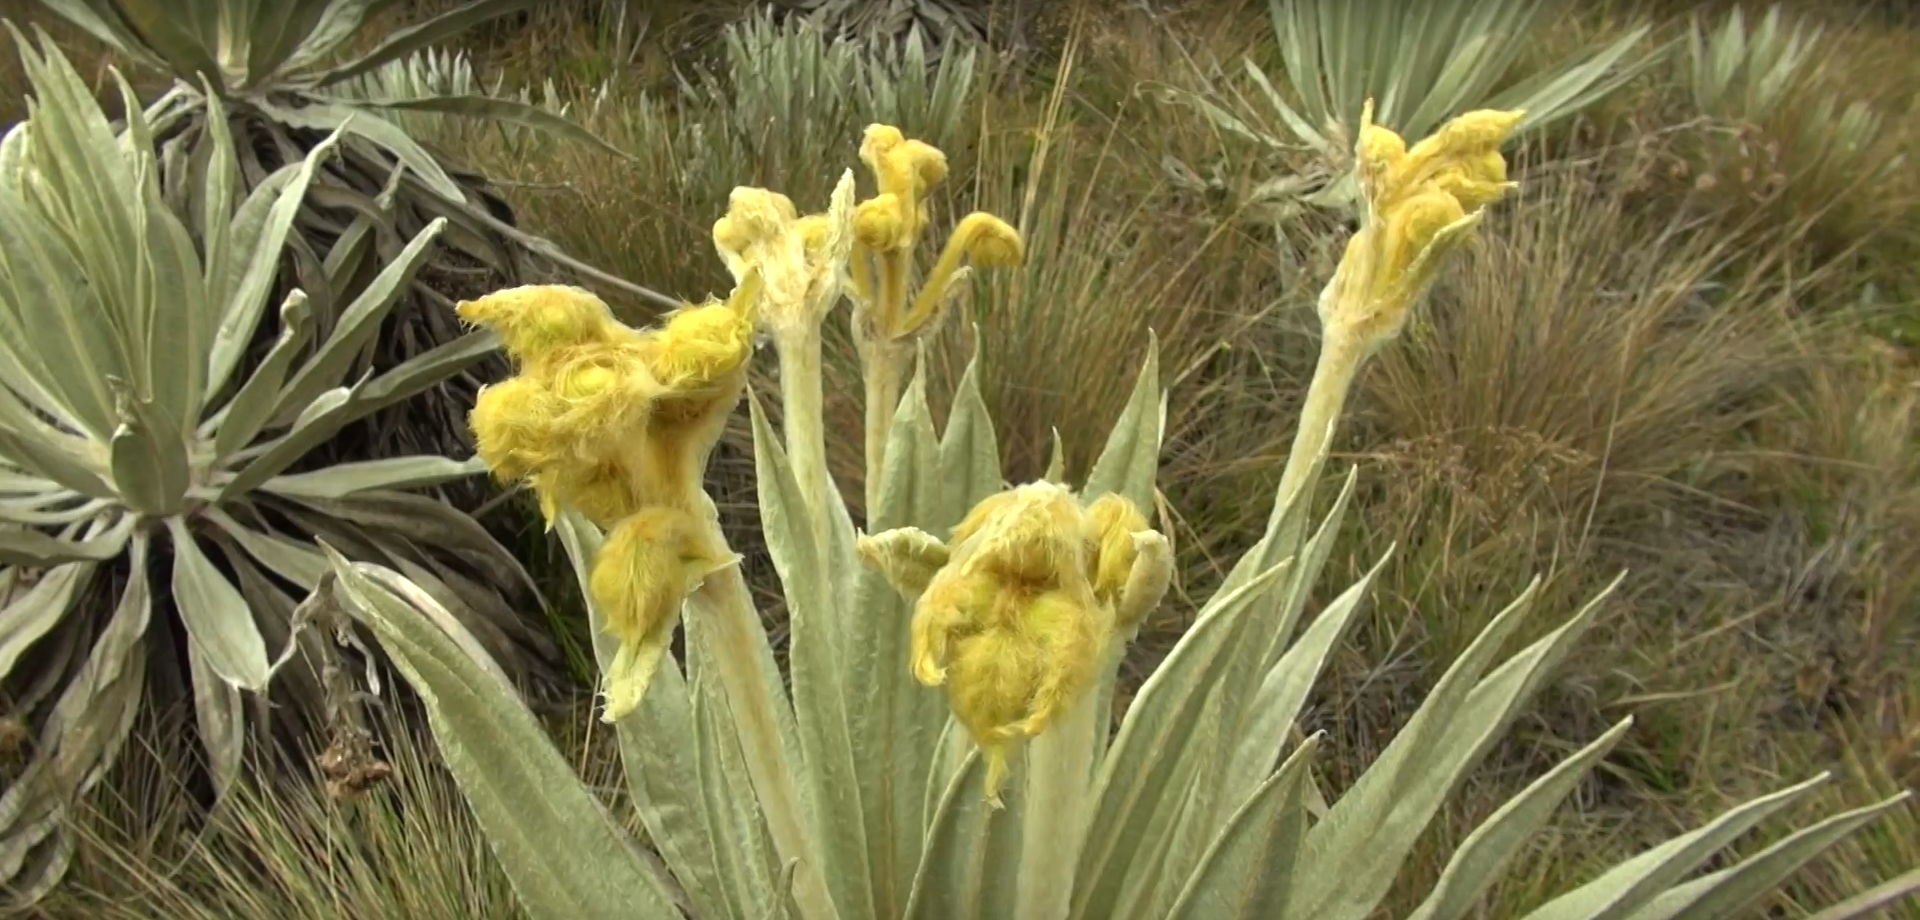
1419, 64
941, 752
149, 466
282, 78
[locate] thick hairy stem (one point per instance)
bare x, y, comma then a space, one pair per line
726, 608
804, 424
1341, 356
885, 368
1059, 783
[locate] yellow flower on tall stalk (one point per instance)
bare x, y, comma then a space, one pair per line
1017, 614
1420, 205
887, 229
619, 423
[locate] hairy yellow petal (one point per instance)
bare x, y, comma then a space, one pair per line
533, 320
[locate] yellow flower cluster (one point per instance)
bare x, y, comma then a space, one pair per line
1016, 614
618, 423
888, 227
1421, 204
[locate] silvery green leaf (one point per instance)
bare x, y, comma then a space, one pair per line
344, 479
1127, 465
743, 852
81, 737
322, 419
964, 873
55, 456
1057, 460
424, 34
1184, 824
1245, 872
21, 546
263, 220
1733, 892
969, 449
357, 324
1481, 858
54, 321
662, 778
217, 618
1383, 814
320, 115
1138, 774
297, 562
219, 185
216, 709
148, 459
1866, 902
894, 721
1284, 685
1132, 454
1633, 884
243, 417
567, 859
819, 701
31, 613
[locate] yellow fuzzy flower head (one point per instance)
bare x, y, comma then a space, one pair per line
888, 227
602, 417
801, 259
1017, 613
1420, 204
537, 319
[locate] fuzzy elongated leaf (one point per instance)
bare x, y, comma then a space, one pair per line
162, 29
260, 226
32, 613
425, 35
357, 324
964, 872
742, 852
369, 126
80, 739
54, 456
59, 328
1731, 892
894, 720
1283, 691
322, 419
504, 111
969, 448
148, 458
1477, 864
818, 693
299, 563
1132, 454
19, 546
663, 779
1245, 873
346, 479
567, 858
216, 708
1146, 756
1866, 902
243, 418
1633, 884
97, 18
424, 370
1381, 817
217, 618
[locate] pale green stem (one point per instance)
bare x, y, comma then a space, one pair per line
1059, 779
726, 609
884, 365
804, 422
885, 368
1341, 356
